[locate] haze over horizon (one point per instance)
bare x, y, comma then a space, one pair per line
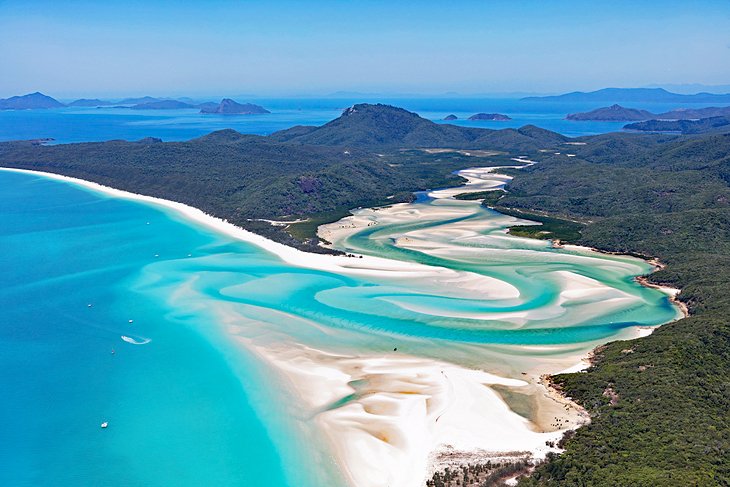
223, 47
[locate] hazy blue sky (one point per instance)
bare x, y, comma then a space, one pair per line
107, 47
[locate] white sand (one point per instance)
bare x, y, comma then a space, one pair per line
407, 408
413, 406
404, 410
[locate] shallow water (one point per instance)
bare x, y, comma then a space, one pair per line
185, 394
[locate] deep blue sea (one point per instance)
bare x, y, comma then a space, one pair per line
99, 124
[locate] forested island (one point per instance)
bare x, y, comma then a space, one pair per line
618, 113
490, 116
614, 113
659, 405
703, 125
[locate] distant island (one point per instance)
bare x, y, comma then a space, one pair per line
701, 126
628, 95
231, 107
614, 113
37, 100
162, 105
451, 117
31, 101
695, 113
139, 101
86, 102
617, 113
490, 116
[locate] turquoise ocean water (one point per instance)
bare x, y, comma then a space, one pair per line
179, 407
186, 403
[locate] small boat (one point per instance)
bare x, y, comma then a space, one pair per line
104, 424
131, 321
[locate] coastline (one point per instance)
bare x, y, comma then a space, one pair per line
390, 370
339, 231
672, 292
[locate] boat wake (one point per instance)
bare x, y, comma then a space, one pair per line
138, 341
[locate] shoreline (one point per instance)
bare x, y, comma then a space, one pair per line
340, 230
364, 266
643, 280
673, 292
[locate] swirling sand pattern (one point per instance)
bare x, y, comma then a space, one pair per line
431, 342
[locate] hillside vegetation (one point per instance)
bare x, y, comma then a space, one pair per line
246, 178
700, 126
381, 127
666, 197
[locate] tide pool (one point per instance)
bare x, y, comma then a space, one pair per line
211, 397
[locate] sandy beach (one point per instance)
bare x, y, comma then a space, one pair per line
405, 414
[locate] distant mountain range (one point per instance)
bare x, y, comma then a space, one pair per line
36, 101
617, 113
628, 95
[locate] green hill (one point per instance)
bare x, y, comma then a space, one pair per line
386, 127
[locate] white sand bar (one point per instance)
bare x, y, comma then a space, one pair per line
388, 416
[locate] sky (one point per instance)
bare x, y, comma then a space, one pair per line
68, 48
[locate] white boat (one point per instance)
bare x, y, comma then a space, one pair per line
104, 424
